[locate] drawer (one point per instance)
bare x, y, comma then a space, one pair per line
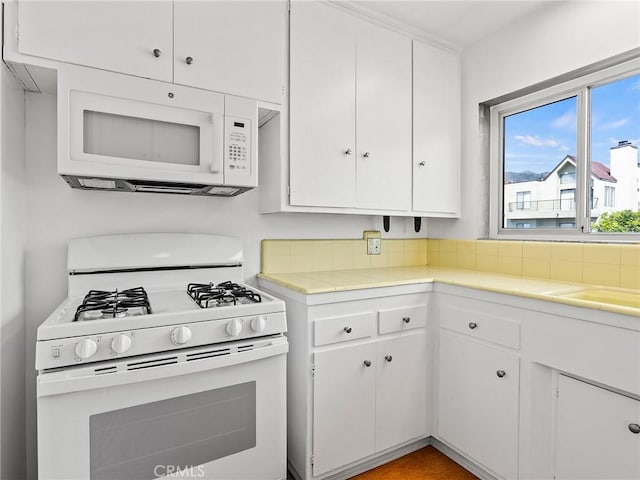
343, 328
491, 328
399, 319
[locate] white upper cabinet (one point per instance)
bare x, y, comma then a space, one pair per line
323, 109
131, 37
234, 47
230, 47
383, 127
350, 125
436, 131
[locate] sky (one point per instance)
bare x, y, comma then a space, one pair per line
537, 140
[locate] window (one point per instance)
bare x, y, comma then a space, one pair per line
523, 200
568, 177
609, 197
572, 148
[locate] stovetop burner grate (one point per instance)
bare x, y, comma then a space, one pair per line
208, 295
112, 304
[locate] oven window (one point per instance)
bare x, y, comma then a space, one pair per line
139, 138
158, 438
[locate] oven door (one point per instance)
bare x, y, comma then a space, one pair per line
214, 412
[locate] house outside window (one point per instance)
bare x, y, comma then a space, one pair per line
569, 135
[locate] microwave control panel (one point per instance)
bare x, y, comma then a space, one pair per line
238, 145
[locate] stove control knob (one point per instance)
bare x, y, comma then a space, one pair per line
258, 324
86, 348
121, 343
234, 327
181, 335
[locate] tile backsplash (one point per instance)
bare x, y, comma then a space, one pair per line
602, 264
288, 256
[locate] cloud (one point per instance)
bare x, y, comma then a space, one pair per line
614, 125
635, 86
565, 121
537, 141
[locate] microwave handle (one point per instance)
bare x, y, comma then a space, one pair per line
219, 141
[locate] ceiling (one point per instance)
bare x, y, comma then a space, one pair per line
459, 23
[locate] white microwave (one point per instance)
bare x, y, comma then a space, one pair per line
123, 133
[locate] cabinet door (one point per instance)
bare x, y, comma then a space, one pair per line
436, 130
118, 36
383, 112
401, 398
477, 409
343, 406
236, 47
594, 437
322, 152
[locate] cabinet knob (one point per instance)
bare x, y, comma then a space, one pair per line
367, 363
406, 319
189, 60
472, 325
348, 151
366, 154
347, 329
634, 428
157, 52
501, 373
388, 358
422, 163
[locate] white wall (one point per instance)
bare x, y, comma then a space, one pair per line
57, 213
558, 38
12, 319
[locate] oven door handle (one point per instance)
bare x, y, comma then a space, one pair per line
62, 382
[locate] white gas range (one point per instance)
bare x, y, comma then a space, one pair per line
161, 362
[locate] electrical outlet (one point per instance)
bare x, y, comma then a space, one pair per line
373, 246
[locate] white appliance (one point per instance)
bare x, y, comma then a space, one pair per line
123, 133
161, 363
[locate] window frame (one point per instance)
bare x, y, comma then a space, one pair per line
510, 105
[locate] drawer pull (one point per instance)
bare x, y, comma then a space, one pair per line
347, 329
501, 373
388, 358
157, 52
367, 363
188, 60
406, 319
634, 428
473, 325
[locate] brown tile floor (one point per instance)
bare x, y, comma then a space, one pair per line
424, 464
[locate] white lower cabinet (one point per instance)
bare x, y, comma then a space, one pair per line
478, 402
358, 377
344, 392
368, 398
597, 433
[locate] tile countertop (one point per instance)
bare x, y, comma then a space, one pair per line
549, 290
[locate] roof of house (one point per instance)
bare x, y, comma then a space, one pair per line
599, 170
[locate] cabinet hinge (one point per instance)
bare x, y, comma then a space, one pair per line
312, 460
313, 370
289, 6
557, 392
289, 191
